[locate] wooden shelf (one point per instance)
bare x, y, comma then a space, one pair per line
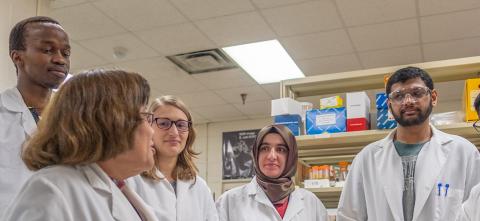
332, 148
329, 196
440, 71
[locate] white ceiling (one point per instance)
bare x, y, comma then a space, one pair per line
322, 36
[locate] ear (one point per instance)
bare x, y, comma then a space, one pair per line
16, 57
434, 97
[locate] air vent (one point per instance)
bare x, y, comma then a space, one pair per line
203, 61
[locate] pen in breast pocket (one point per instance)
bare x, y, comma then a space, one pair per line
446, 189
439, 188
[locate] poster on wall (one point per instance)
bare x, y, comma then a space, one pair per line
237, 154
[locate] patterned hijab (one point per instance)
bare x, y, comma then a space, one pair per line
280, 187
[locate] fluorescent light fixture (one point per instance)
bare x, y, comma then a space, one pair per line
265, 61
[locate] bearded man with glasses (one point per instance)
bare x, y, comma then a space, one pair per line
415, 173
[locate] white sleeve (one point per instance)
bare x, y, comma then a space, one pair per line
211, 211
352, 205
222, 207
322, 214
39, 200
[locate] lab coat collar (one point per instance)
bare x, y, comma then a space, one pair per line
12, 100
100, 181
295, 205
430, 161
254, 190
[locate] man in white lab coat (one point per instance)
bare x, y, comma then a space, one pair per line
40, 50
470, 209
417, 172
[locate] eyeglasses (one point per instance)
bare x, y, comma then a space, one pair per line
415, 93
476, 126
165, 124
148, 117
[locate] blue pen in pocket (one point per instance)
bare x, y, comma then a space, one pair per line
446, 189
439, 188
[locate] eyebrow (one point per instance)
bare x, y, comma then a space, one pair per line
51, 42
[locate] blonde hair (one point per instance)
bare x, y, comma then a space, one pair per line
91, 118
185, 168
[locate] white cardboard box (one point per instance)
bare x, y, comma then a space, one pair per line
287, 105
358, 105
316, 183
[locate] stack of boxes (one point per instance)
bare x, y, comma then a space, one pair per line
287, 111
330, 118
384, 118
358, 111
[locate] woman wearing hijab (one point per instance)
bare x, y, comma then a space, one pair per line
172, 187
271, 195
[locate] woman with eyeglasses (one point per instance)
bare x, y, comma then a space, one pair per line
94, 134
172, 187
271, 195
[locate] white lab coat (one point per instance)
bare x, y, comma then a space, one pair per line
16, 125
193, 200
68, 193
470, 210
249, 202
374, 186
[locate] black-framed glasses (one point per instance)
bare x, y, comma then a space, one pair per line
476, 125
148, 117
415, 93
165, 124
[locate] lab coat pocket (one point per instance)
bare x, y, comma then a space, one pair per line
448, 203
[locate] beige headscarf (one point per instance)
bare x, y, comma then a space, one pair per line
280, 187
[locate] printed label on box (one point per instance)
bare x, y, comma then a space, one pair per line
325, 119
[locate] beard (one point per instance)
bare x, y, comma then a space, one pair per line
421, 117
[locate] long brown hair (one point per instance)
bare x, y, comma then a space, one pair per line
91, 118
185, 168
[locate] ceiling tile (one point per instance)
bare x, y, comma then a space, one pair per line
176, 39
154, 69
147, 14
386, 35
451, 49
331, 64
375, 11
318, 44
65, 3
197, 118
85, 21
179, 85
254, 93
451, 26
429, 7
83, 58
225, 79
104, 47
220, 112
274, 3
303, 18
195, 9
255, 109
273, 89
236, 29
201, 99
391, 57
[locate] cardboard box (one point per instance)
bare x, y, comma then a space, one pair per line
331, 102
357, 124
293, 122
358, 105
381, 101
385, 120
472, 89
284, 106
316, 183
331, 120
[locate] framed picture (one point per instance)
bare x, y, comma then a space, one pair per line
237, 154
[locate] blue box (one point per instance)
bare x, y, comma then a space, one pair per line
332, 120
382, 120
293, 122
381, 101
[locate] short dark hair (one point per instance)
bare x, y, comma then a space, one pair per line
476, 104
17, 34
404, 74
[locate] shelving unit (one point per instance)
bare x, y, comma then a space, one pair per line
332, 148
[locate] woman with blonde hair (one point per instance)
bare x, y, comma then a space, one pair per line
172, 187
271, 195
95, 133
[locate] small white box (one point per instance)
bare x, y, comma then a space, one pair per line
358, 105
285, 106
316, 183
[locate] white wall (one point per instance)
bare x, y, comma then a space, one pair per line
11, 12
